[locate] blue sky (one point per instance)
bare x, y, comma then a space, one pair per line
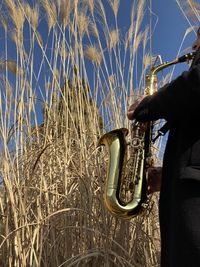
168, 23
169, 30
169, 26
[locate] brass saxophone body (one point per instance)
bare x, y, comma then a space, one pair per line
140, 156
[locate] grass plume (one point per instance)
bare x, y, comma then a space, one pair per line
93, 54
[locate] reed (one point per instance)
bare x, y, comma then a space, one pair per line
70, 78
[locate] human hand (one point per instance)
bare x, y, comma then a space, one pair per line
154, 179
133, 107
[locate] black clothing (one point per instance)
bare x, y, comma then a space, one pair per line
179, 103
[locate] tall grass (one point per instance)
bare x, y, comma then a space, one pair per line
66, 77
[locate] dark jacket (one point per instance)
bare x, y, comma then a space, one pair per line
179, 103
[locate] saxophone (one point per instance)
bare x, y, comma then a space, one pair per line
141, 156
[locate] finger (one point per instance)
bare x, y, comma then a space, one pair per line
136, 103
130, 113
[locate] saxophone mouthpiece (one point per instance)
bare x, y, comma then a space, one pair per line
186, 57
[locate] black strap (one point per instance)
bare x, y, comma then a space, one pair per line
162, 131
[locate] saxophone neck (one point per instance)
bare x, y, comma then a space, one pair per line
151, 84
184, 58
151, 79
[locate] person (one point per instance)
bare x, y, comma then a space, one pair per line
179, 204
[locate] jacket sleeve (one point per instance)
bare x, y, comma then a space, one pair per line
177, 100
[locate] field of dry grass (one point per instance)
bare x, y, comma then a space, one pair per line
70, 78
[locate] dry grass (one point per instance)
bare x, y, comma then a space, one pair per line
62, 89
191, 12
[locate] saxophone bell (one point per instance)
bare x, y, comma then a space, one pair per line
116, 143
